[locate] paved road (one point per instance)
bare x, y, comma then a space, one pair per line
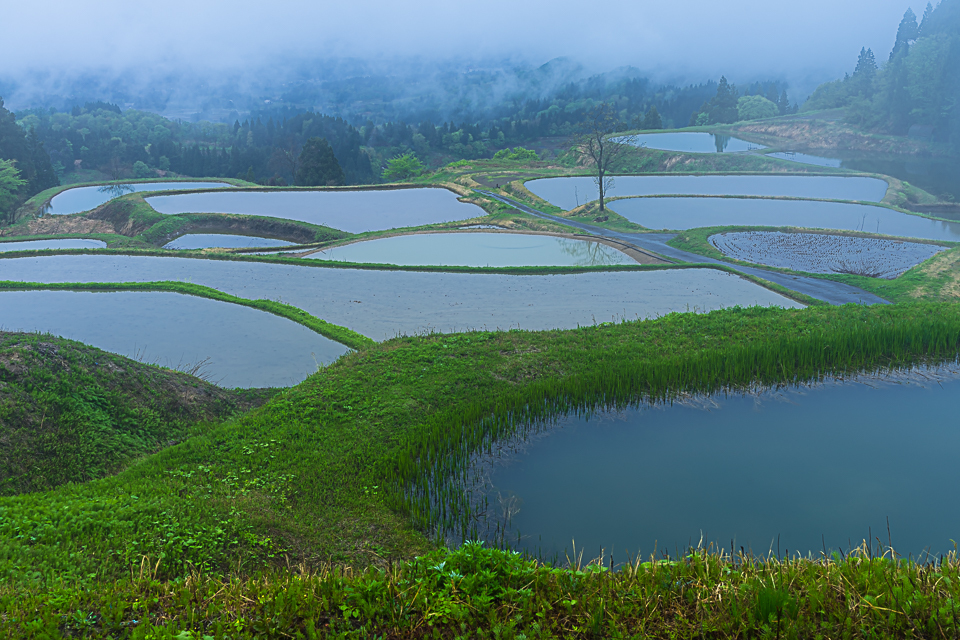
827, 290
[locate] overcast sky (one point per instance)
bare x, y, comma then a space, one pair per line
701, 38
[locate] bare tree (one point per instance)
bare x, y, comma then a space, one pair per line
602, 148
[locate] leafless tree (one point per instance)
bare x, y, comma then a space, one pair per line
601, 147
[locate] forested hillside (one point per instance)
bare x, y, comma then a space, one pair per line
917, 86
25, 167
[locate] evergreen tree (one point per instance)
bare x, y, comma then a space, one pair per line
783, 103
652, 120
318, 165
906, 33
921, 31
864, 75
723, 107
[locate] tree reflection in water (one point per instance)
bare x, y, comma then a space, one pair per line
116, 190
592, 254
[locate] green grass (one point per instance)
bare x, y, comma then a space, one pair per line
334, 471
340, 334
72, 413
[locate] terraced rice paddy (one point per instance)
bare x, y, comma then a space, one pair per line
694, 142
233, 346
36, 245
823, 253
222, 240
81, 199
572, 192
804, 158
384, 304
353, 211
477, 250
691, 213
791, 469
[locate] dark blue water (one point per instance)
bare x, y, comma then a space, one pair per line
808, 468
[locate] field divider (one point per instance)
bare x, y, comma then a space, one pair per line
343, 335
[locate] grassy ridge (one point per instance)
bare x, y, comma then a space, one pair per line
318, 474
335, 469
342, 335
71, 413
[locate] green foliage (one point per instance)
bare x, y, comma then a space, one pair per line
141, 170
652, 119
403, 167
721, 109
518, 154
318, 165
10, 185
756, 108
71, 413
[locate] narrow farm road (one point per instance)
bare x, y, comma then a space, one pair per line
835, 293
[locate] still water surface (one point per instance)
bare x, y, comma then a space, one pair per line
835, 460
351, 211
34, 245
694, 142
384, 304
691, 213
478, 250
222, 240
85, 198
245, 347
574, 191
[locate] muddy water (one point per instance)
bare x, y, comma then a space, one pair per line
222, 240
351, 211
85, 198
572, 192
822, 253
694, 142
34, 245
803, 469
690, 213
478, 250
245, 347
384, 304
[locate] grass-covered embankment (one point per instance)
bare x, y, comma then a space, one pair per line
335, 332
72, 413
325, 472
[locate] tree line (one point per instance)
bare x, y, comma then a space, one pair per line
25, 167
916, 88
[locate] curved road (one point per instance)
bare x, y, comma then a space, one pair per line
827, 290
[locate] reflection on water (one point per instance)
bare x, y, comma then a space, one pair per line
115, 190
573, 191
222, 241
477, 249
383, 304
691, 213
804, 158
239, 346
810, 467
692, 142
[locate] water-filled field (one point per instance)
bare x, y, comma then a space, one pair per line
242, 347
804, 158
351, 211
796, 469
572, 192
477, 250
35, 245
690, 213
694, 142
383, 304
822, 253
85, 198
223, 240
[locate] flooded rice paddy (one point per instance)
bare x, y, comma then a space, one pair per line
478, 250
822, 253
81, 199
36, 245
236, 346
694, 142
351, 211
691, 213
799, 469
572, 192
804, 158
384, 304
223, 241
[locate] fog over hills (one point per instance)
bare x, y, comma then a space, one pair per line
193, 60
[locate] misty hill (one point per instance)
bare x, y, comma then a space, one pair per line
916, 89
